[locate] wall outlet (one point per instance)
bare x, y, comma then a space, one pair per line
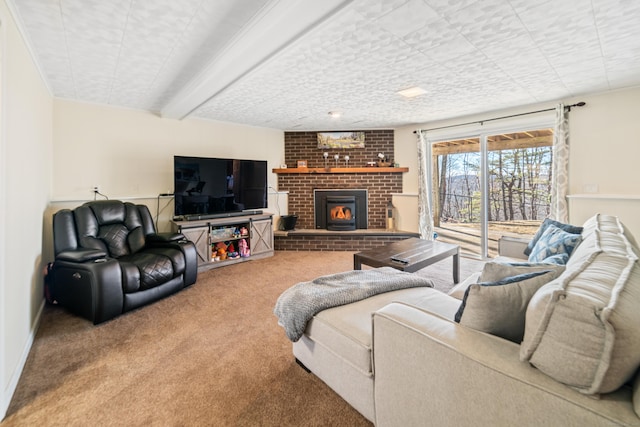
590, 188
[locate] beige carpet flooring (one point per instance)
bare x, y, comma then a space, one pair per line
212, 354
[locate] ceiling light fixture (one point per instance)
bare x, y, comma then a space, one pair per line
412, 92
334, 114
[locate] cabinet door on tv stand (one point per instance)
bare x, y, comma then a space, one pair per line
261, 237
200, 237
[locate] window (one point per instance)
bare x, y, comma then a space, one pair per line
491, 184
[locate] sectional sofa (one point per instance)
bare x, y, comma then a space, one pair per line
558, 346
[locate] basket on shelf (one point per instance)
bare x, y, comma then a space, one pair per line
222, 233
384, 164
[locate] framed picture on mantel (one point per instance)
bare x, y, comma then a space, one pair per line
340, 139
302, 163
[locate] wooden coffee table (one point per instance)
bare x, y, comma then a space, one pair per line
410, 255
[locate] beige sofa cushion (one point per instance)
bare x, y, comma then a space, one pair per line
346, 330
582, 329
458, 290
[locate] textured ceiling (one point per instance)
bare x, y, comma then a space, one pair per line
352, 56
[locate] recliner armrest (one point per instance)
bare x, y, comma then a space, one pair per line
92, 290
165, 237
181, 243
81, 255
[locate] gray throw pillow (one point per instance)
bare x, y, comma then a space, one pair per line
495, 271
499, 306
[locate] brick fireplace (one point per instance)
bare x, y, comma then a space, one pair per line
379, 184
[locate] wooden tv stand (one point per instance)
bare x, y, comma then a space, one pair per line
206, 234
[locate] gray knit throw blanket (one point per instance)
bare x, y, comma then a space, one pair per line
298, 304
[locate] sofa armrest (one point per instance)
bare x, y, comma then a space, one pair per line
431, 370
512, 247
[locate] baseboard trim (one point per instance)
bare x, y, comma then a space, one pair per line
7, 394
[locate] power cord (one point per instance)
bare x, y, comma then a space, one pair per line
277, 199
97, 193
158, 210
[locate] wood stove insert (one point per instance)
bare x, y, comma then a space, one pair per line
340, 210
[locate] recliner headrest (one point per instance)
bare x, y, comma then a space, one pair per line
108, 211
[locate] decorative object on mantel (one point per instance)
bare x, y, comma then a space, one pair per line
340, 139
346, 161
337, 157
317, 171
326, 156
302, 163
382, 163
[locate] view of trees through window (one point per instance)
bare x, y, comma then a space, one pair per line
518, 178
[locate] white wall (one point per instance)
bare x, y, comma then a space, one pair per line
605, 143
25, 170
604, 157
54, 151
129, 153
605, 154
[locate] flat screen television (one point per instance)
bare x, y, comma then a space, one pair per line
214, 186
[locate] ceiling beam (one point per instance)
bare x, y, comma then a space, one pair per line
278, 25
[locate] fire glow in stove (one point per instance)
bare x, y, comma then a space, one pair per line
341, 213
340, 209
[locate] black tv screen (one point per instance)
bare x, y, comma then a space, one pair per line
209, 186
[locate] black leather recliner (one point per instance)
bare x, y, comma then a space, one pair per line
110, 260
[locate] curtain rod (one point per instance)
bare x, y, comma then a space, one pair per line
567, 107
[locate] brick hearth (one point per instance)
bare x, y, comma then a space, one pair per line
323, 240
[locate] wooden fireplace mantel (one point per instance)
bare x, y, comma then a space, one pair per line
339, 170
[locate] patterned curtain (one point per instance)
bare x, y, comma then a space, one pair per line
425, 217
560, 174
